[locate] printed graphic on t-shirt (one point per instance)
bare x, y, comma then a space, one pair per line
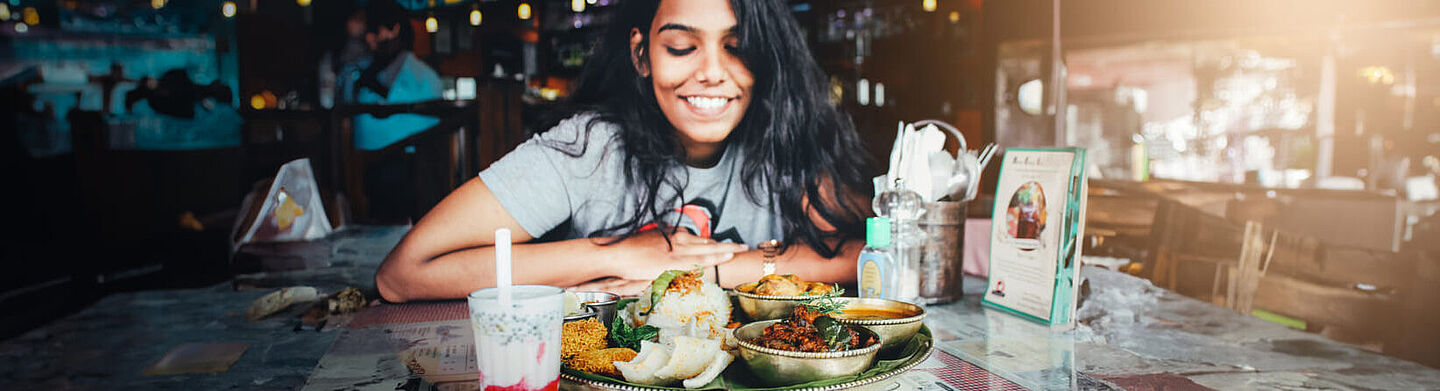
701, 216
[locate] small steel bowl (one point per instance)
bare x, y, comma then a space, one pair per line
763, 307
894, 333
589, 313
779, 368
602, 302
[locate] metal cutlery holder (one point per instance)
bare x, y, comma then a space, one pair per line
942, 258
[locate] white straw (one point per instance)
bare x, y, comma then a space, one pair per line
502, 265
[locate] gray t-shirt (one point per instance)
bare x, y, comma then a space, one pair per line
543, 187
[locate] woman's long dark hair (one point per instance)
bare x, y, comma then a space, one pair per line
793, 137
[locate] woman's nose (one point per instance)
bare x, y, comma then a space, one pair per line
712, 68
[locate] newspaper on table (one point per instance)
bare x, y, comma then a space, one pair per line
436, 352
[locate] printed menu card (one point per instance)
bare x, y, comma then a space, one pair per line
1035, 235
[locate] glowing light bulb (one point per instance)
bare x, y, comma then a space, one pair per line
257, 102
928, 5
590, 2
577, 5
30, 16
303, 3
523, 11
157, 4
954, 16
431, 25
862, 92
22, 28
475, 17
228, 9
879, 94
4, 11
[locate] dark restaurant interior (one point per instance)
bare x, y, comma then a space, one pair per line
1260, 181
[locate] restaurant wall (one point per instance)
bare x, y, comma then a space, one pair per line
99, 186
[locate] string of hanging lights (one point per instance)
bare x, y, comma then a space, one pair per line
524, 10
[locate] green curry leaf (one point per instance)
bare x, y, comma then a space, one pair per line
623, 336
832, 332
826, 304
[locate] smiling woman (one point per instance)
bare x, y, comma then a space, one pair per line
707, 115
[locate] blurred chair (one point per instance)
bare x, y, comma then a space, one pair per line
1350, 294
431, 163
1186, 243
501, 116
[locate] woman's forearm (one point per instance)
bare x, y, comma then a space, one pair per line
799, 260
456, 274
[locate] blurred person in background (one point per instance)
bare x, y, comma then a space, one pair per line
392, 75
346, 49
389, 75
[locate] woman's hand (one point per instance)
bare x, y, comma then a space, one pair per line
616, 285
646, 255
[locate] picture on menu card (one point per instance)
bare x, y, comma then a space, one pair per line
1039, 215
1025, 216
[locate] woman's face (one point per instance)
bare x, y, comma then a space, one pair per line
699, 82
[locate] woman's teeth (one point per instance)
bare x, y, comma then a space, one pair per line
707, 103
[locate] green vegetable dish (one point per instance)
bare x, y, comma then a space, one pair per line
623, 336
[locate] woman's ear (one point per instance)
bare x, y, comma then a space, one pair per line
637, 53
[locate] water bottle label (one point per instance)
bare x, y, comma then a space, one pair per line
870, 278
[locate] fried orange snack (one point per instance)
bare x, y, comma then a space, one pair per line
581, 336
601, 362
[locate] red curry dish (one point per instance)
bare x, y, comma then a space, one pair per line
809, 330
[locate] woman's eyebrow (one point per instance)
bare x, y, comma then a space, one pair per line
733, 30
676, 26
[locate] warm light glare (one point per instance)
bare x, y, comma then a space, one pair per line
928, 5
30, 16
228, 9
157, 4
303, 3
523, 11
257, 102
4, 11
1029, 97
431, 25
475, 17
577, 5
954, 16
590, 2
1377, 75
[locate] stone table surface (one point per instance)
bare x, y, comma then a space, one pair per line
107, 345
1132, 335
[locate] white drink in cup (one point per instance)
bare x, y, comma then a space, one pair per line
517, 341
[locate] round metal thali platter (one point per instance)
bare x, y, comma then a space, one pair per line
924, 354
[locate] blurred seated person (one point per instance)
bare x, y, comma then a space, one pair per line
346, 49
392, 75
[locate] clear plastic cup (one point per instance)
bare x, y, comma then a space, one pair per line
517, 346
